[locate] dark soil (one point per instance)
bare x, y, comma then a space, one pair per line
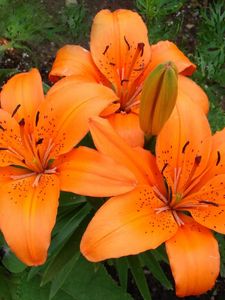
43, 55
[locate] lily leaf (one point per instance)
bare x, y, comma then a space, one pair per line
154, 267
139, 276
122, 269
85, 282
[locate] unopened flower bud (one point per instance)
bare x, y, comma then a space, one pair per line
158, 98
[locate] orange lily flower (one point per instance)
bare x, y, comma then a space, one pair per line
121, 58
178, 199
37, 136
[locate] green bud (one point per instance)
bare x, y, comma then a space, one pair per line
158, 98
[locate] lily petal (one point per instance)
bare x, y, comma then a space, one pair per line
11, 147
187, 150
27, 216
119, 46
22, 95
6, 173
194, 258
216, 164
127, 126
127, 225
209, 209
165, 51
63, 118
108, 142
74, 60
87, 172
194, 92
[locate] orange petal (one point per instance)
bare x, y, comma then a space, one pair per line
216, 163
63, 119
6, 173
27, 216
194, 92
194, 258
112, 108
127, 126
210, 211
12, 151
22, 95
210, 216
127, 225
108, 142
165, 51
186, 149
74, 60
87, 172
119, 46
150, 160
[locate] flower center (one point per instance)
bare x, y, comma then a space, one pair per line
37, 175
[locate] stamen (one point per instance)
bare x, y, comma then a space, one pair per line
170, 194
36, 180
22, 122
209, 202
198, 160
177, 218
16, 177
16, 153
159, 194
39, 141
47, 152
176, 178
123, 81
50, 171
131, 102
141, 48
182, 206
161, 209
128, 107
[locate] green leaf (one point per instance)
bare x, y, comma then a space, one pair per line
62, 275
5, 73
160, 254
122, 269
221, 242
12, 263
65, 254
69, 199
154, 267
85, 282
68, 229
4, 286
46, 87
34, 271
139, 276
